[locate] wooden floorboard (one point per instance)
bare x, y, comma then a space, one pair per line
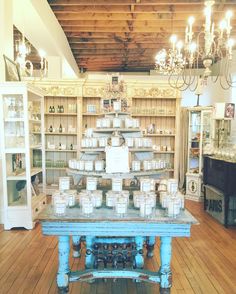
205, 263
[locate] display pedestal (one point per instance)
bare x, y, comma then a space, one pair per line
193, 187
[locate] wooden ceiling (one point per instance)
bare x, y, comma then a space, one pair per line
125, 35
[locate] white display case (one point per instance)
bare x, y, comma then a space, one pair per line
23, 154
199, 135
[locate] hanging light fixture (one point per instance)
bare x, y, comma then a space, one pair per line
182, 60
23, 49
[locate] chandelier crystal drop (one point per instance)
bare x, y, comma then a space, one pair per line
211, 47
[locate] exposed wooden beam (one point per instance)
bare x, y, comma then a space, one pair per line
123, 9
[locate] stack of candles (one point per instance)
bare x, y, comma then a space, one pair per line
62, 200
170, 198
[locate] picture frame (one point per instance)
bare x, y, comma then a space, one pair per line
12, 70
229, 110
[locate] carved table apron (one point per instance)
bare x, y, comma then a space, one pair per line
105, 224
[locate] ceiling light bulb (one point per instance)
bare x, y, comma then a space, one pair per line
192, 47
179, 45
230, 43
229, 14
223, 25
191, 20
173, 39
42, 53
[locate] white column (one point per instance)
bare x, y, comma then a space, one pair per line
6, 34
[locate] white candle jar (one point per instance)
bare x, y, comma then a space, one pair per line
146, 208
145, 185
60, 206
115, 141
99, 165
138, 143
161, 195
110, 199
94, 142
91, 184
152, 197
116, 122
82, 196
136, 165
136, 123
129, 142
173, 207
88, 165
121, 206
128, 122
99, 123
172, 186
117, 185
117, 105
102, 142
87, 207
83, 143
138, 198
64, 183
73, 163
80, 165
96, 198
106, 123
165, 201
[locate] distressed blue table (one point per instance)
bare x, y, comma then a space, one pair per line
105, 224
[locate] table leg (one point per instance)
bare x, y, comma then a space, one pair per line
63, 260
76, 246
139, 262
89, 257
165, 269
150, 246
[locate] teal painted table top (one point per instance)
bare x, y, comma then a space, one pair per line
107, 227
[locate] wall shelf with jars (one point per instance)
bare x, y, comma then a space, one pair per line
159, 118
23, 154
61, 133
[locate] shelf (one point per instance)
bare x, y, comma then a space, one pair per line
61, 134
56, 168
109, 130
61, 114
15, 150
38, 147
154, 115
14, 119
102, 149
92, 114
57, 150
159, 135
22, 176
164, 152
104, 175
37, 121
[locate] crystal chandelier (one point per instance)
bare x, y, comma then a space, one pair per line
212, 46
23, 49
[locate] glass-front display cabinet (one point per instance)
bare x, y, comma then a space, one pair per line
23, 153
199, 135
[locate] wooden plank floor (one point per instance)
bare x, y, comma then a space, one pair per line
204, 263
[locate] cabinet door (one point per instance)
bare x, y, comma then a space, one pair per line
13, 117
194, 141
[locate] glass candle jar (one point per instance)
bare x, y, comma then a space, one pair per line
146, 208
110, 199
87, 207
96, 199
91, 183
59, 206
136, 165
121, 206
173, 207
99, 165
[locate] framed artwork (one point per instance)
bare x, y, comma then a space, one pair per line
229, 110
12, 71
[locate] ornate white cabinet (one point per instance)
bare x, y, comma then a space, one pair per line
23, 154
199, 135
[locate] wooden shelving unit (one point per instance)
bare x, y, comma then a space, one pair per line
67, 119
162, 113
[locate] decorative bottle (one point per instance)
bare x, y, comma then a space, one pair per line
53, 109
60, 128
62, 109
58, 108
50, 129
